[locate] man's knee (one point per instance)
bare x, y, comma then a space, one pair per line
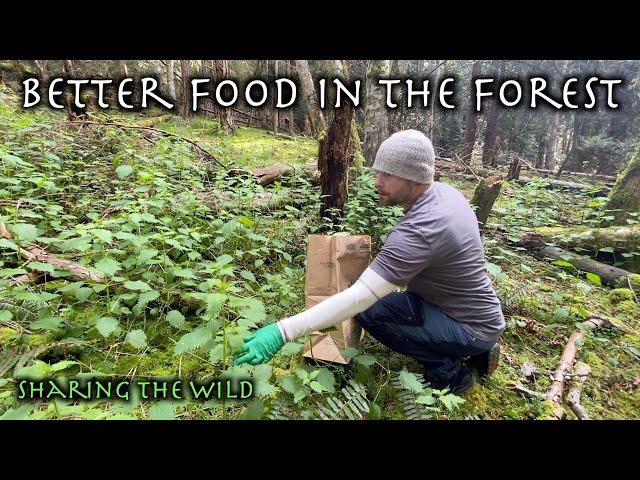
394, 308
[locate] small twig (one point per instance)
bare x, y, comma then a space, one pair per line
573, 397
521, 389
457, 157
632, 290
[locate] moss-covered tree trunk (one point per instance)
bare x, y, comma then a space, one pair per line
625, 194
333, 164
331, 69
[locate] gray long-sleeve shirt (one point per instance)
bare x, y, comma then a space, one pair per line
436, 251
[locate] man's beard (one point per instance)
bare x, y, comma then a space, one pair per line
387, 201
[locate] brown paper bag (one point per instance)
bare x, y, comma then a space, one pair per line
334, 263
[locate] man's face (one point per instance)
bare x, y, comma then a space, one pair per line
392, 190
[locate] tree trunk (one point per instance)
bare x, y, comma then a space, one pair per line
185, 68
289, 111
622, 237
550, 154
542, 148
376, 120
339, 69
224, 114
625, 194
472, 118
572, 157
309, 93
484, 196
124, 70
73, 111
334, 164
171, 79
276, 114
41, 65
514, 169
489, 151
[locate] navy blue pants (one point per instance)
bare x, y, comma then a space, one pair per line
412, 326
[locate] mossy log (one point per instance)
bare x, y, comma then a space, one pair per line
621, 237
573, 186
609, 274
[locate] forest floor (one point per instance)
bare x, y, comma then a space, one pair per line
186, 273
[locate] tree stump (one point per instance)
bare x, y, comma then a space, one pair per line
484, 196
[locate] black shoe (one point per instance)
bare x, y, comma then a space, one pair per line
486, 363
460, 383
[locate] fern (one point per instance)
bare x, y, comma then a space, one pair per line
25, 310
352, 404
412, 410
511, 298
472, 417
8, 358
280, 411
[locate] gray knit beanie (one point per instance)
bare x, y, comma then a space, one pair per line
408, 154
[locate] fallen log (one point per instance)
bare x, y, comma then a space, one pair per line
581, 371
35, 253
484, 196
620, 237
554, 394
152, 121
609, 274
573, 186
220, 200
269, 174
595, 176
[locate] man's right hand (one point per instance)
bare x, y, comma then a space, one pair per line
260, 347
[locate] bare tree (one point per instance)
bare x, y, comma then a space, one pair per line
41, 65
491, 142
472, 118
185, 68
376, 120
308, 90
276, 116
171, 79
224, 114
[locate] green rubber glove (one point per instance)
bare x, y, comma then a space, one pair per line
261, 346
